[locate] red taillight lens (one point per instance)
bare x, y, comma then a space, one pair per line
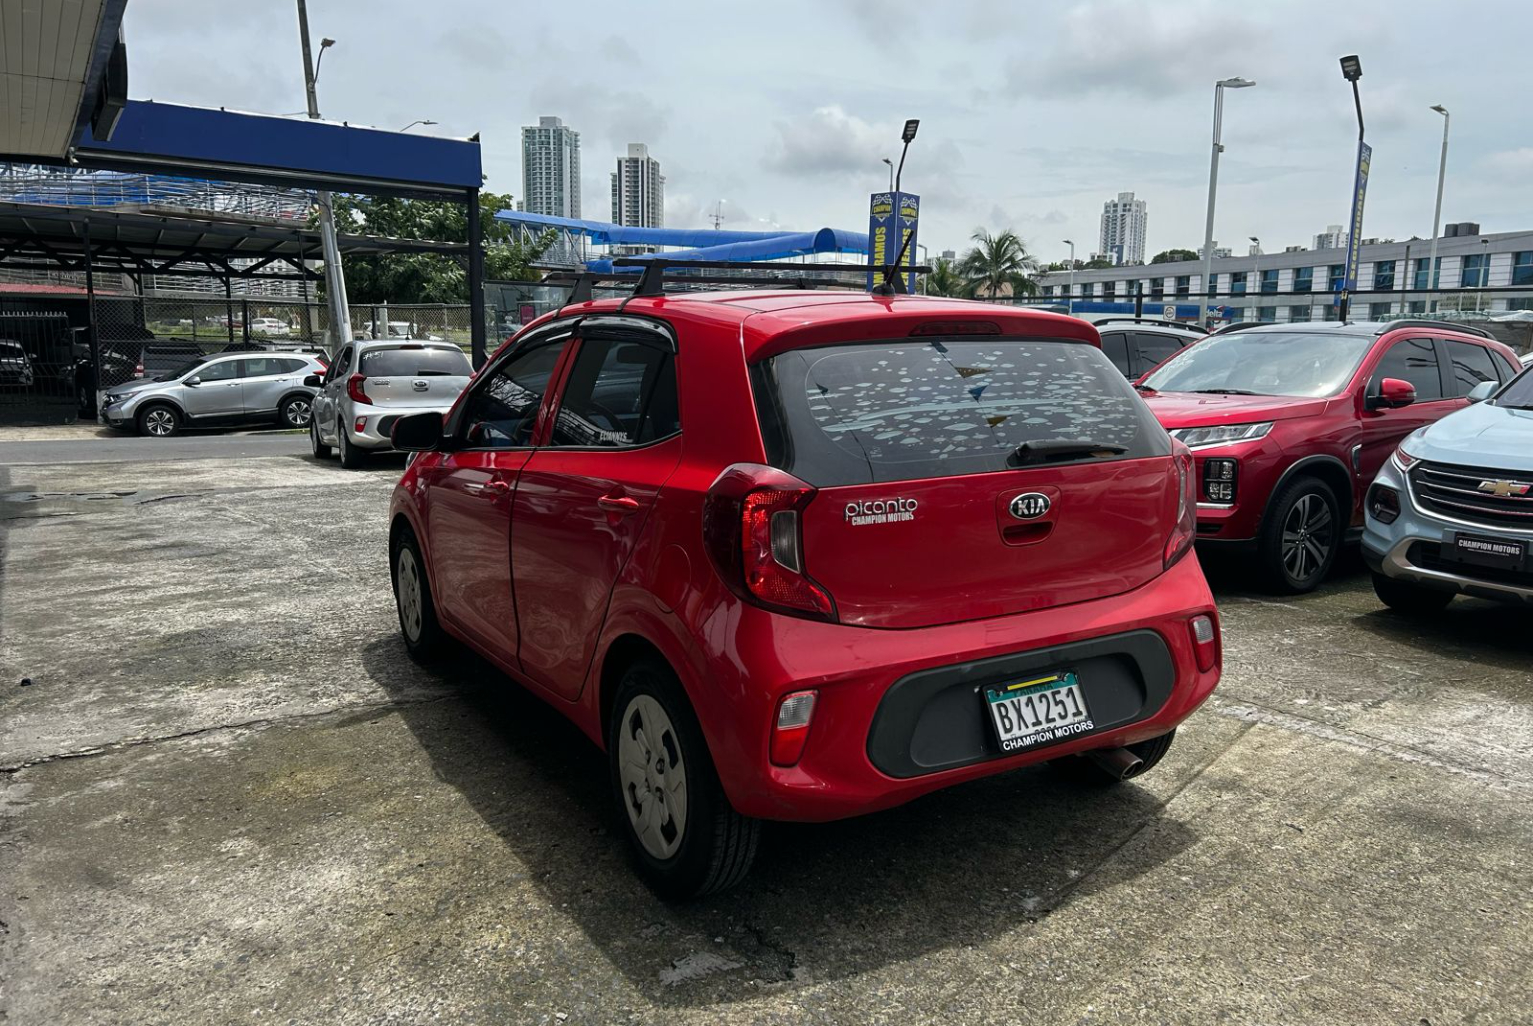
1186, 530
1205, 641
354, 389
791, 729
751, 526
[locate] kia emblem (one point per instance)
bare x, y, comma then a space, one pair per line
1030, 505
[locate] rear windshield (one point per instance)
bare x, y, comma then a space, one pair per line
416, 362
900, 411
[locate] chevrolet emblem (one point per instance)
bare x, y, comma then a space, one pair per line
1505, 489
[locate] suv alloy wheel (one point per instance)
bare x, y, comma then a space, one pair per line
1301, 535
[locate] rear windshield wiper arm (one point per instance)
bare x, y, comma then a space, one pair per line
1051, 449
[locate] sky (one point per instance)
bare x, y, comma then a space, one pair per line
1032, 115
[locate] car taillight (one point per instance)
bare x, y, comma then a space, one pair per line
791, 728
354, 389
1186, 529
1205, 641
752, 529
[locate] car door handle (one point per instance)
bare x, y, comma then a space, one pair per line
618, 504
494, 488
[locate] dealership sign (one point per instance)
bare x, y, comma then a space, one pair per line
891, 218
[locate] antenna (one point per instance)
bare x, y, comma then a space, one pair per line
718, 215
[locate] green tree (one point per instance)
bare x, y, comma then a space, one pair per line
430, 277
1096, 264
998, 265
944, 280
1171, 256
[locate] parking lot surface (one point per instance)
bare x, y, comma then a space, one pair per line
228, 796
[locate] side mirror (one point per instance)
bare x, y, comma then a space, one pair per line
194, 381
1395, 393
312, 381
419, 432
1483, 391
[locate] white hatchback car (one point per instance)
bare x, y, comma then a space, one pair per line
372, 384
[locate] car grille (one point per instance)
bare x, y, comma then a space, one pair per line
1473, 494
1428, 556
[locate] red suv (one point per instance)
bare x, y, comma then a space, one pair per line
1289, 423
802, 555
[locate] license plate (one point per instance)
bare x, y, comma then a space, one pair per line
1482, 551
1037, 710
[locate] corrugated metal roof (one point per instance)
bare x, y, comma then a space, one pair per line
45, 60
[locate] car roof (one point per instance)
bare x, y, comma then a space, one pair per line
1369, 328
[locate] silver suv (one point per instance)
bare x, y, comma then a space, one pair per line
372, 384
216, 391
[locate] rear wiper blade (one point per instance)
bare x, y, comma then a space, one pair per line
1050, 449
1223, 391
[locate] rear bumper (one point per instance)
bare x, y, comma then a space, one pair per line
377, 422
900, 713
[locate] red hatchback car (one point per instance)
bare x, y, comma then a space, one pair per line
1289, 423
802, 555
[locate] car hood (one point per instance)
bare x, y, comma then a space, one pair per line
1189, 409
1479, 435
136, 385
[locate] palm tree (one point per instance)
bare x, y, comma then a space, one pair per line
999, 265
944, 279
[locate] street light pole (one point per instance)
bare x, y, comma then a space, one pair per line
1437, 213
1070, 299
1213, 184
886, 160
1352, 70
335, 278
1254, 287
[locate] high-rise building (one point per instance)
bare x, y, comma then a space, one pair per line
1334, 237
1123, 229
551, 168
638, 190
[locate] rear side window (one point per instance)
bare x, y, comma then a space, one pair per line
619, 393
1115, 346
1155, 349
1468, 365
905, 410
412, 361
1413, 360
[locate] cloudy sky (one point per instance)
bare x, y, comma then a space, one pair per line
1031, 115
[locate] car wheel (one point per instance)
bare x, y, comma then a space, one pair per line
295, 412
352, 457
1300, 536
412, 598
321, 450
1084, 771
159, 420
686, 837
1405, 597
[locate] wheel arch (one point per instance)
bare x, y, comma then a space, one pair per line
1330, 471
296, 393
624, 650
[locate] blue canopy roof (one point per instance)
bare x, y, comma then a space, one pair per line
700, 243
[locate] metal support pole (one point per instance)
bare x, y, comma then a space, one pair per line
1208, 225
228, 311
1138, 299
90, 310
335, 278
1354, 224
476, 326
1437, 213
245, 321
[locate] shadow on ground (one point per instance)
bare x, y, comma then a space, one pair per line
823, 902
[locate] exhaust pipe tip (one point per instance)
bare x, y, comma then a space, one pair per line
1118, 763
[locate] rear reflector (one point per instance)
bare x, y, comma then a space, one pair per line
792, 727
955, 328
1205, 641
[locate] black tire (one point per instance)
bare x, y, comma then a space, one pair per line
713, 847
296, 411
351, 456
1405, 597
320, 449
159, 420
418, 624
1083, 771
1300, 536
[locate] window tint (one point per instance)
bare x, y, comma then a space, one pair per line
1413, 360
619, 393
290, 366
342, 363
901, 411
1508, 370
225, 370
262, 366
1155, 349
1115, 347
1469, 365
415, 361
503, 411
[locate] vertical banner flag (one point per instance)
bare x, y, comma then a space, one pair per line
1355, 239
891, 218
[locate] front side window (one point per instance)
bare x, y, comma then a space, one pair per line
224, 370
1413, 360
619, 393
1469, 365
502, 412
1291, 363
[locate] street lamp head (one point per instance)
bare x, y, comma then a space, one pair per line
326, 42
1253, 238
1351, 68
1068, 242
1235, 83
1440, 109
886, 160
910, 130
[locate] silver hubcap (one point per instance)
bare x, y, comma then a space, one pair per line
653, 776
298, 413
160, 422
407, 579
1307, 535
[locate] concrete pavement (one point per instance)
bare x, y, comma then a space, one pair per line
228, 796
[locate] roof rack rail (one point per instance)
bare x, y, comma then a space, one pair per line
1159, 321
1237, 325
1420, 322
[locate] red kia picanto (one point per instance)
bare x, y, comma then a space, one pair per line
802, 555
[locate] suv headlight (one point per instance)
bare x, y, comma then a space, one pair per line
1221, 434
